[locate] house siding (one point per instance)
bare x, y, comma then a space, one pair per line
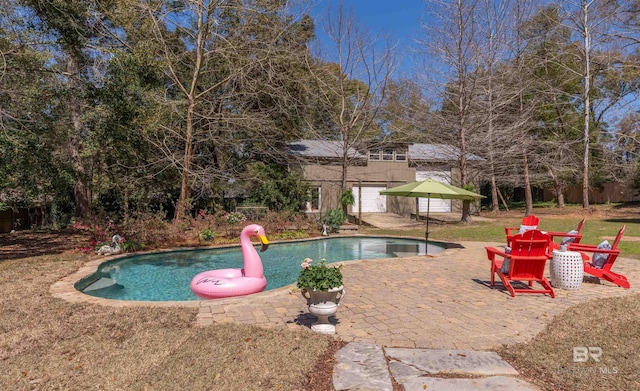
387, 174
326, 173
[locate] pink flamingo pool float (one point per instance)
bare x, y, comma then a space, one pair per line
215, 284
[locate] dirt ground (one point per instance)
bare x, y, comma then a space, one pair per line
28, 243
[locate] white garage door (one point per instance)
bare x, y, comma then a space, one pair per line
435, 204
372, 201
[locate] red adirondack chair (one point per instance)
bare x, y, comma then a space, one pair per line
528, 223
525, 263
576, 237
603, 272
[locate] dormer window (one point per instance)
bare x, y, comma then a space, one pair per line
387, 155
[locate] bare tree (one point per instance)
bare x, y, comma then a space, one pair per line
590, 20
500, 87
350, 79
450, 49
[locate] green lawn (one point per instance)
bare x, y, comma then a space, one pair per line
596, 228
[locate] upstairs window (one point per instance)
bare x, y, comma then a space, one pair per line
388, 155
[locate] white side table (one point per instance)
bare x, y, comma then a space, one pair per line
566, 269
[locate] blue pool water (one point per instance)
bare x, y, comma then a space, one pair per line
165, 276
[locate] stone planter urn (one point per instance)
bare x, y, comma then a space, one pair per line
324, 304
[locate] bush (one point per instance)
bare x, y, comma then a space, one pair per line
207, 235
131, 246
100, 234
278, 188
151, 229
277, 222
334, 219
289, 235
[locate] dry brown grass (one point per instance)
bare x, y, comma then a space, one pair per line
610, 324
48, 343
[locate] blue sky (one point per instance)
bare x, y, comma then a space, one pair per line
399, 18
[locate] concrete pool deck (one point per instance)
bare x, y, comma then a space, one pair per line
434, 302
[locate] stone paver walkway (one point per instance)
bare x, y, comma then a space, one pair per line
370, 367
437, 302
440, 301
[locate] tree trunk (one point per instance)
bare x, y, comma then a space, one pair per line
75, 142
125, 203
557, 186
466, 207
587, 104
466, 211
527, 187
184, 202
495, 205
345, 167
182, 208
504, 202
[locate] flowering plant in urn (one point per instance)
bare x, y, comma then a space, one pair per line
321, 286
318, 276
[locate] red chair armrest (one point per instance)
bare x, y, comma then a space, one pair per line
600, 251
581, 247
563, 234
592, 249
492, 252
508, 230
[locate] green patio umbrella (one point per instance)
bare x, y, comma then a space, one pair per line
431, 189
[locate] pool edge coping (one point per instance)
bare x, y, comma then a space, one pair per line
65, 287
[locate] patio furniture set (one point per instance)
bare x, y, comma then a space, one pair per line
522, 262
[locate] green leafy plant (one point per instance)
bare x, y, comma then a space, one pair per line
469, 187
207, 235
131, 246
334, 219
318, 276
347, 198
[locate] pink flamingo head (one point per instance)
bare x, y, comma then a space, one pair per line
257, 231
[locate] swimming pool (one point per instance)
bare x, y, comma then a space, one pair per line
165, 276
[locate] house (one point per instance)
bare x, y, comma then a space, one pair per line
372, 168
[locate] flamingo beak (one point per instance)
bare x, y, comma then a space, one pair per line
264, 241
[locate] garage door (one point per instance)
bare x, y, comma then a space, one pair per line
436, 204
372, 201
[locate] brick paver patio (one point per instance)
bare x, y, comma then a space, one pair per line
442, 301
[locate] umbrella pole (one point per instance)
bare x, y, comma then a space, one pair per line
426, 234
